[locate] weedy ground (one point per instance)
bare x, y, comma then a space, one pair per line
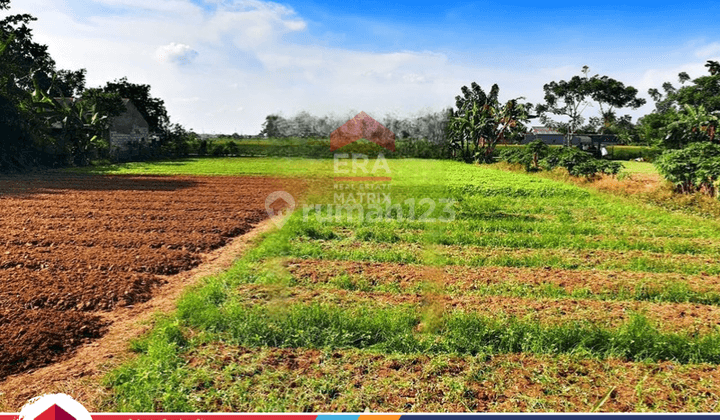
537, 294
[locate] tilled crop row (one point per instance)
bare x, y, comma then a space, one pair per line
60, 241
124, 202
669, 317
72, 290
81, 259
463, 280
211, 224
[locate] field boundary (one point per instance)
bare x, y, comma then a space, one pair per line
80, 375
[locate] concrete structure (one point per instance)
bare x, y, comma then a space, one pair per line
129, 133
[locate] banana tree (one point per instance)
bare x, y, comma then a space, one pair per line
481, 122
74, 127
694, 124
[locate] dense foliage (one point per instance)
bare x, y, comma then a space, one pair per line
481, 122
430, 126
537, 155
569, 99
685, 124
49, 117
695, 168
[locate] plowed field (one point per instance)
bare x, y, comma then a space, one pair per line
72, 246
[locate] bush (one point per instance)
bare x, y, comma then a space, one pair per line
695, 168
232, 148
579, 163
537, 154
528, 156
217, 149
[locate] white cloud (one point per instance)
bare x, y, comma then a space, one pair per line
242, 66
172, 6
708, 51
176, 53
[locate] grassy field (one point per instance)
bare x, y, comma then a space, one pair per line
633, 167
513, 293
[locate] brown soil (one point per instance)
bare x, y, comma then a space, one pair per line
675, 317
401, 383
463, 280
73, 246
586, 259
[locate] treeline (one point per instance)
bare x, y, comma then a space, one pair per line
430, 126
49, 117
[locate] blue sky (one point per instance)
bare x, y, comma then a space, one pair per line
223, 65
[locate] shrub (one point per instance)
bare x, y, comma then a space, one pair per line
528, 156
232, 147
218, 149
695, 168
579, 163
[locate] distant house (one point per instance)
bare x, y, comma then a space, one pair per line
584, 141
547, 135
128, 133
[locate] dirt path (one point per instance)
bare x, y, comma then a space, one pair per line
80, 375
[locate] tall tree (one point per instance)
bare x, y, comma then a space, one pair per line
687, 114
570, 99
152, 109
23, 56
704, 90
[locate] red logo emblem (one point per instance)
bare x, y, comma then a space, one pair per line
362, 126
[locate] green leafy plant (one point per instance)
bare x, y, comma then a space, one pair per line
529, 156
695, 168
481, 122
693, 124
579, 163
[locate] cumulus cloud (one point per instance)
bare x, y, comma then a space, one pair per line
223, 65
176, 53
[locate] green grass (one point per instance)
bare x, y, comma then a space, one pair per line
394, 330
632, 167
500, 219
159, 378
272, 272
298, 167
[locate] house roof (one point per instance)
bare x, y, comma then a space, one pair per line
543, 130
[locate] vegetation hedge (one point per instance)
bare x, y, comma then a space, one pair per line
318, 148
633, 152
